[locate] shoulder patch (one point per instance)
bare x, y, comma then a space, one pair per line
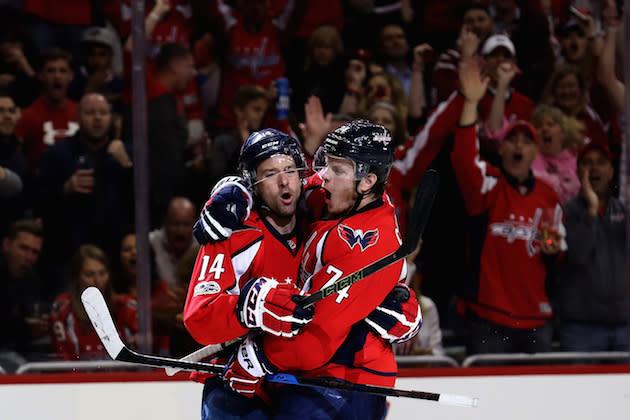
207, 288
353, 237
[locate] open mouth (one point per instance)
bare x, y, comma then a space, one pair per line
517, 157
286, 198
546, 140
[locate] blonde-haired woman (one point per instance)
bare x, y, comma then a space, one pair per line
560, 136
567, 90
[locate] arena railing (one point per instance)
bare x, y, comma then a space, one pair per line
545, 358
426, 361
66, 366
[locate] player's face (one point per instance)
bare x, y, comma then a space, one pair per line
339, 184
279, 184
600, 170
21, 253
9, 116
567, 92
56, 75
551, 134
517, 152
94, 116
128, 254
93, 273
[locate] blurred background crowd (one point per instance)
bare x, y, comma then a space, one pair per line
217, 70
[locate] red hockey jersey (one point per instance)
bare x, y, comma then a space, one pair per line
335, 343
74, 339
507, 279
252, 59
223, 268
414, 157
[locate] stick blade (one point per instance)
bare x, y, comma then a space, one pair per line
97, 311
458, 400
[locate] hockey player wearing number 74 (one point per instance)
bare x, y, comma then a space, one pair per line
264, 303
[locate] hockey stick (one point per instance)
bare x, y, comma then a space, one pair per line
99, 315
425, 195
202, 353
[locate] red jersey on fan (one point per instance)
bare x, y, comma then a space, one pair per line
414, 157
42, 125
75, 340
331, 345
506, 284
251, 59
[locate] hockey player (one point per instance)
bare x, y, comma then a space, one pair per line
269, 244
358, 227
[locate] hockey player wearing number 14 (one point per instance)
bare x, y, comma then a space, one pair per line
261, 259
351, 332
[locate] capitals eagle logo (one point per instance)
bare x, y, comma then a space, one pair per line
353, 237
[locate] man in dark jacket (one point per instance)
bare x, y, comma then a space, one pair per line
14, 170
167, 126
85, 189
593, 300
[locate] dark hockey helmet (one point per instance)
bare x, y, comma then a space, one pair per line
367, 144
263, 144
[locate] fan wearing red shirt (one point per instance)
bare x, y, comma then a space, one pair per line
52, 117
516, 229
253, 49
72, 335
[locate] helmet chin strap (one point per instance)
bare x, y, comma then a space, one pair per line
360, 196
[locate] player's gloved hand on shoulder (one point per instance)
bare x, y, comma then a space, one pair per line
229, 205
245, 371
268, 305
398, 318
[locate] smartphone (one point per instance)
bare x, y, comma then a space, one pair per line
85, 162
575, 12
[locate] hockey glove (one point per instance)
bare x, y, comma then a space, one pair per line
268, 305
244, 373
228, 206
398, 318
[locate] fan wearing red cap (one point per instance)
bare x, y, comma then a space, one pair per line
516, 229
519, 149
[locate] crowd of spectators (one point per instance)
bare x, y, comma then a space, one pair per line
518, 104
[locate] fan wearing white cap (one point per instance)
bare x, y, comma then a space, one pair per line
502, 104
